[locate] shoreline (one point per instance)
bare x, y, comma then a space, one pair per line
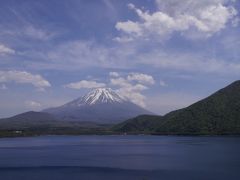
31, 134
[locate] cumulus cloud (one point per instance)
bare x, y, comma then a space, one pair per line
189, 17
130, 91
85, 84
130, 27
6, 50
131, 88
113, 74
23, 77
123, 39
134, 96
122, 82
142, 78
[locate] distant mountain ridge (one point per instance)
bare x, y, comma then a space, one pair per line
40, 123
216, 114
101, 105
28, 119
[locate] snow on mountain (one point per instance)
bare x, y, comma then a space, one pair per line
97, 96
101, 105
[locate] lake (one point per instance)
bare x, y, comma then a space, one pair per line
120, 158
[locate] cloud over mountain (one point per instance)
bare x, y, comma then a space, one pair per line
141, 78
132, 86
85, 84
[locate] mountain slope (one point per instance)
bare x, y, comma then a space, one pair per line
101, 105
216, 114
40, 123
139, 124
29, 119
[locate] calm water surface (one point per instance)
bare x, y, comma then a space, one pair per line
120, 158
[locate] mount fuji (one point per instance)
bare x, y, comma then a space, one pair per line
101, 105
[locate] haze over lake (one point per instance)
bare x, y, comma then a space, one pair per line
120, 157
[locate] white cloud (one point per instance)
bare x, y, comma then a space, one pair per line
85, 84
123, 39
163, 83
134, 96
5, 50
24, 77
122, 82
132, 90
129, 27
191, 18
114, 74
141, 78
33, 104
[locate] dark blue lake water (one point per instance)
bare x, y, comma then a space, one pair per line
120, 158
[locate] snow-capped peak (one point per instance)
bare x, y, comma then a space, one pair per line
98, 96
102, 95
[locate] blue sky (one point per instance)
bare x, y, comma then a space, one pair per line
162, 55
